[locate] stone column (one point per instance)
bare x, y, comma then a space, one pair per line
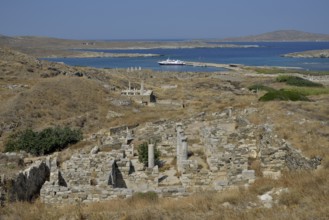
142, 87
184, 150
150, 155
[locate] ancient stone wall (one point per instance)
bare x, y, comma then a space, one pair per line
100, 176
229, 142
277, 154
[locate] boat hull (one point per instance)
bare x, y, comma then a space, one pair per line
171, 62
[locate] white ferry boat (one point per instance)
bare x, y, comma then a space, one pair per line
171, 62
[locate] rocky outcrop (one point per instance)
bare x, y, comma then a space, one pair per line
26, 185
309, 54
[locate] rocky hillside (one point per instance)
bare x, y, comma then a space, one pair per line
281, 36
38, 94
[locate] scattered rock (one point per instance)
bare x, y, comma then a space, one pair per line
95, 150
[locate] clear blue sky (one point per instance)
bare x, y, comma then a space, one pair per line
154, 19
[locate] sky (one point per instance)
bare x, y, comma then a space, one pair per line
154, 19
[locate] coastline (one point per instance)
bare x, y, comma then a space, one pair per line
234, 67
82, 52
309, 54
100, 55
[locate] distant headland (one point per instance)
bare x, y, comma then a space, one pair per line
55, 47
280, 36
309, 54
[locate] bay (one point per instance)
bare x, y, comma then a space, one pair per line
266, 54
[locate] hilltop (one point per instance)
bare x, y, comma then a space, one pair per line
280, 36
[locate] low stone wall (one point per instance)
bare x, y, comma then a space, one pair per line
169, 102
227, 157
83, 193
276, 154
98, 176
86, 194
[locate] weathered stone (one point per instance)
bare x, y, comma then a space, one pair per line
248, 174
95, 150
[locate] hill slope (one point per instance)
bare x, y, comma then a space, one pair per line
36, 94
282, 35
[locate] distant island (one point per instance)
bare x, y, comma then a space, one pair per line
309, 54
46, 47
280, 36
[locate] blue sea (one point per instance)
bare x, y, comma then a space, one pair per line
266, 54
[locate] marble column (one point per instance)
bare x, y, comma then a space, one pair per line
150, 155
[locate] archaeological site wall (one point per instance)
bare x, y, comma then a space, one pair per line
228, 143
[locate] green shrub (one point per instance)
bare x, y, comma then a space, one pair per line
44, 142
297, 81
306, 91
283, 95
143, 153
260, 87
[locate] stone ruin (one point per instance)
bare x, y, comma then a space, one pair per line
101, 175
141, 96
221, 158
230, 143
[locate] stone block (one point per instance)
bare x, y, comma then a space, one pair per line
221, 183
213, 169
272, 174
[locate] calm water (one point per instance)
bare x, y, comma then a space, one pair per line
268, 54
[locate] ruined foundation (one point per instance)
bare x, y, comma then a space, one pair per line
229, 142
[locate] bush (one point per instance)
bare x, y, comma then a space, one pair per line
297, 81
143, 153
283, 95
260, 87
39, 143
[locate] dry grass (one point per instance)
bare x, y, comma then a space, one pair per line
263, 185
303, 124
307, 198
255, 164
56, 101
